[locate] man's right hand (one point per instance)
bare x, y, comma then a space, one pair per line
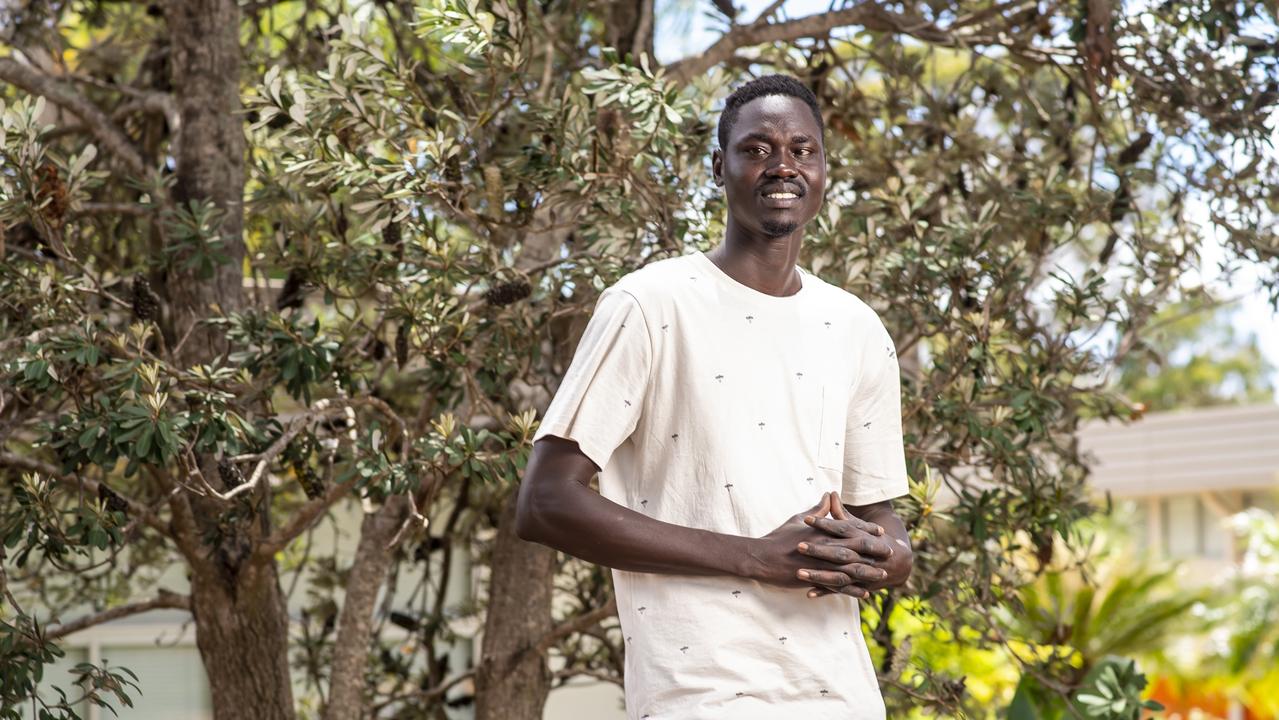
776, 560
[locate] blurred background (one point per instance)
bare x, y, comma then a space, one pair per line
284, 287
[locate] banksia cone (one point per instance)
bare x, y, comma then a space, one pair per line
146, 306
294, 291
54, 191
310, 482
391, 234
402, 343
230, 474
508, 292
113, 502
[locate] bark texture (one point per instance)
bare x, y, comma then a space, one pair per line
355, 625
210, 145
241, 631
513, 681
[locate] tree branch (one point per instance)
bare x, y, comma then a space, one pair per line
165, 599
577, 624
137, 509
108, 135
867, 14
301, 520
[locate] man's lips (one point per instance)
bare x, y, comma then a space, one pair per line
782, 197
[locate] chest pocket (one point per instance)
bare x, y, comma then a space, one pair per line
834, 424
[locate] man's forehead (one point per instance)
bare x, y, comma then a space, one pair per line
777, 113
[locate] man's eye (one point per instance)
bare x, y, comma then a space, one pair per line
757, 151
804, 152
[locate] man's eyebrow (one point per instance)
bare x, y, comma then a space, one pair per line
762, 137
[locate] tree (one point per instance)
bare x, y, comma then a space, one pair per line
293, 259
1193, 357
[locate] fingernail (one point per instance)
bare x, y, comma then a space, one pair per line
812, 593
803, 547
883, 574
803, 574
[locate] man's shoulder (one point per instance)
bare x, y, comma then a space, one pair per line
654, 278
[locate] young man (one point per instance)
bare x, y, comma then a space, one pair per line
744, 417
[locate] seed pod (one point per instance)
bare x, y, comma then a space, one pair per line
309, 480
114, 503
294, 291
230, 474
508, 293
146, 305
54, 191
402, 343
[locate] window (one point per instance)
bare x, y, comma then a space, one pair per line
1192, 529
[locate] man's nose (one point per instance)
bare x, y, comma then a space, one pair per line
781, 168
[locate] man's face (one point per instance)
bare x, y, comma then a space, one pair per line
774, 167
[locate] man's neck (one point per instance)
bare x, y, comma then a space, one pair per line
763, 264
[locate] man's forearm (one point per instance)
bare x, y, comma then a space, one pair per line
581, 522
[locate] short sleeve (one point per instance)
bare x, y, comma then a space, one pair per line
874, 454
600, 401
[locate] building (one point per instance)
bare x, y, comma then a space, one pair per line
1187, 471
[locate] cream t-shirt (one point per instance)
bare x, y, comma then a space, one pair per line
711, 405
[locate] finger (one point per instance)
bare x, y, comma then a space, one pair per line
860, 593
830, 552
871, 547
845, 528
862, 573
837, 510
850, 590
829, 578
821, 508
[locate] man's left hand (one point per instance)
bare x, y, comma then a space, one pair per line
873, 560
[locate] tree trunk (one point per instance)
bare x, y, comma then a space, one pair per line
368, 573
242, 631
242, 622
629, 29
512, 681
210, 145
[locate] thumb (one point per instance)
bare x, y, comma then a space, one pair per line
837, 508
821, 508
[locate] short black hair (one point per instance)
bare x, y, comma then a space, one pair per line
763, 87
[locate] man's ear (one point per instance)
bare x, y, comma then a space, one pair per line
717, 166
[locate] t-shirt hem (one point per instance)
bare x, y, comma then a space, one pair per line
869, 497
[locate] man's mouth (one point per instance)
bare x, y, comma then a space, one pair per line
780, 198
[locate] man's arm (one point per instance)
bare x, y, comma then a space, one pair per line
557, 507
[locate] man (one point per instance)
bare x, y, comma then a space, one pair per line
744, 417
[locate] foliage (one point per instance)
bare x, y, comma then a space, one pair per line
1192, 357
435, 194
1238, 647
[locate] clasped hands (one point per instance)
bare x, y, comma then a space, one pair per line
831, 551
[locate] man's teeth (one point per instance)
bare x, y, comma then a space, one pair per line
782, 196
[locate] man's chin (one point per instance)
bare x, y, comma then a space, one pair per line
774, 228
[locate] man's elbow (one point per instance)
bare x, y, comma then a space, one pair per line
529, 521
